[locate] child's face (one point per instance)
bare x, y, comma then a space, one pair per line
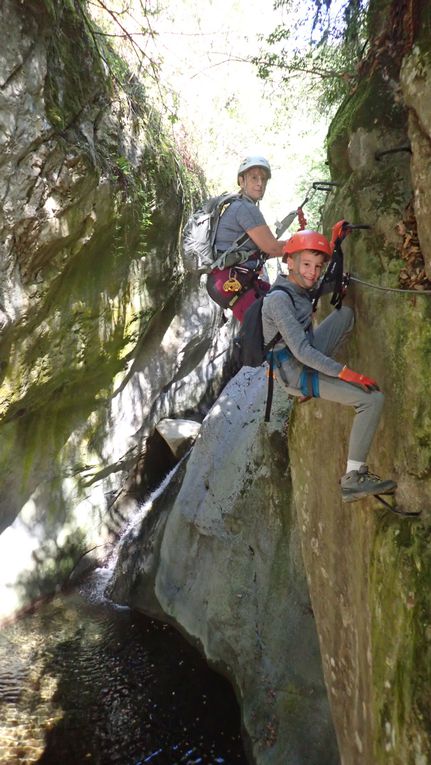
305, 267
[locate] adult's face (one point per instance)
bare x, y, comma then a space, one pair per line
253, 182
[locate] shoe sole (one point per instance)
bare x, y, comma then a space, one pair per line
354, 496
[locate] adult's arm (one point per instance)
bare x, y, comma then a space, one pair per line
265, 240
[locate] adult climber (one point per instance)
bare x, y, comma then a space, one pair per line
237, 285
303, 360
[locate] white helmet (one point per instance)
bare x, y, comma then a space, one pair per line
249, 162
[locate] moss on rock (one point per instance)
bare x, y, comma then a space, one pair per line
369, 570
93, 223
371, 106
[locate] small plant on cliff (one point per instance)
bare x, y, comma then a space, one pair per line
122, 33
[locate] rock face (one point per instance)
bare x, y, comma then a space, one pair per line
100, 337
220, 557
368, 571
415, 84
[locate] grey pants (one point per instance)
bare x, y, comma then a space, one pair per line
368, 405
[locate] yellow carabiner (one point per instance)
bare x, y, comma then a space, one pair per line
232, 285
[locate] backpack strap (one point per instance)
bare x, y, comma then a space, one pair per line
220, 262
270, 347
270, 392
280, 288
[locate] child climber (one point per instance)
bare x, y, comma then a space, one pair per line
303, 362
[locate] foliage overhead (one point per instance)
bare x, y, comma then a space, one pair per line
324, 41
125, 37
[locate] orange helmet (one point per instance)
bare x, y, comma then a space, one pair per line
307, 240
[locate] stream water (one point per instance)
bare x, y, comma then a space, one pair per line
83, 681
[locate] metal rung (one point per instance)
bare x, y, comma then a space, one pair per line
379, 154
393, 507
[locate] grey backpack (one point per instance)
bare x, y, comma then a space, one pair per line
198, 241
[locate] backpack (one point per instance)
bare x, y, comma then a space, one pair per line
249, 347
198, 241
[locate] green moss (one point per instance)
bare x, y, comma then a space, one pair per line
423, 39
64, 360
97, 286
391, 342
371, 106
74, 68
401, 641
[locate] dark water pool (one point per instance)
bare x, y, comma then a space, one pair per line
84, 682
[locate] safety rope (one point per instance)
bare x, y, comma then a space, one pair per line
389, 289
302, 220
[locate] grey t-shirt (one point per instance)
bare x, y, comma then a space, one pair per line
241, 215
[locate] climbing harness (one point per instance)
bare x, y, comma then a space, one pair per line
309, 383
335, 271
236, 286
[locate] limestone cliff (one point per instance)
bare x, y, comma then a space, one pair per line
100, 335
368, 571
249, 550
220, 559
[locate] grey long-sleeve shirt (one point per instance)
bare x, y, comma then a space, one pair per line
292, 318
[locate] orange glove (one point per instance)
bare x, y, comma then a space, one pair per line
366, 383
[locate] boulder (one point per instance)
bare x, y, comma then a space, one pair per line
219, 556
178, 434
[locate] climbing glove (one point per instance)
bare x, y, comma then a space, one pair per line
366, 383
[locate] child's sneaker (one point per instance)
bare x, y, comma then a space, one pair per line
360, 483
